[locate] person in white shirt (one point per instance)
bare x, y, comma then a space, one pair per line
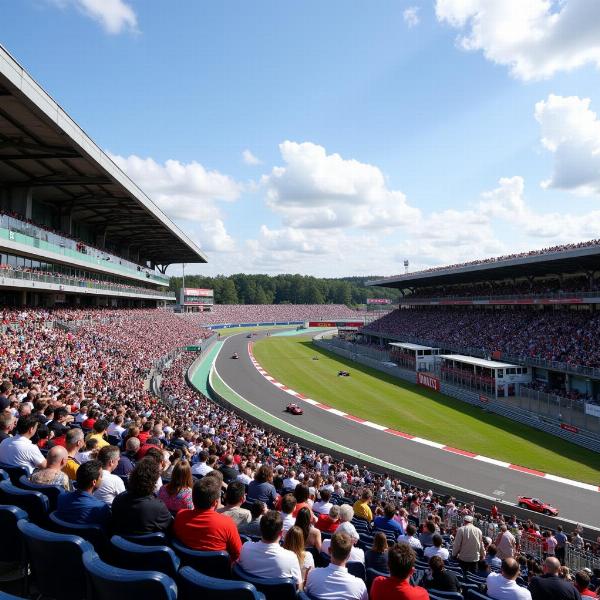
19, 451
409, 538
356, 554
290, 482
503, 585
323, 506
436, 549
245, 476
288, 504
334, 582
201, 468
267, 558
111, 485
116, 427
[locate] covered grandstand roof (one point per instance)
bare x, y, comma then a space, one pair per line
41, 147
568, 260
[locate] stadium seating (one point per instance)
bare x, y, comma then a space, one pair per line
4, 475
474, 595
14, 473
442, 595
5, 596
11, 548
193, 585
216, 564
126, 554
92, 533
273, 589
111, 583
156, 538
372, 574
35, 504
52, 492
56, 561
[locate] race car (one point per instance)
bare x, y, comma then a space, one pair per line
537, 505
293, 409
343, 374
235, 355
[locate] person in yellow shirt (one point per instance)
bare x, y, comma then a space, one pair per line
98, 433
362, 510
74, 442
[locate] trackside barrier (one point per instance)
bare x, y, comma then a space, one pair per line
237, 325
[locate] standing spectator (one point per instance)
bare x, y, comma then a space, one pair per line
550, 586
177, 494
53, 474
440, 578
561, 544
112, 485
362, 508
503, 585
505, 543
401, 564
267, 558
202, 528
377, 556
74, 442
334, 582
234, 498
468, 545
19, 451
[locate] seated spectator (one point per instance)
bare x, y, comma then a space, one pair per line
440, 578
73, 442
288, 505
323, 505
234, 498
257, 510
362, 508
80, 507
290, 482
377, 556
426, 537
116, 428
329, 523
294, 541
387, 521
138, 510
201, 468
202, 528
401, 565
228, 470
345, 526
112, 485
127, 458
262, 488
437, 549
99, 433
267, 558
88, 452
302, 495
7, 423
177, 494
483, 569
312, 536
582, 583
19, 451
491, 558
60, 423
503, 585
53, 474
550, 586
334, 581
409, 538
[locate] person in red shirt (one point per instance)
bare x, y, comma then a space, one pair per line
401, 562
582, 583
202, 528
329, 523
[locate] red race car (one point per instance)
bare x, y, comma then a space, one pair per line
294, 409
537, 505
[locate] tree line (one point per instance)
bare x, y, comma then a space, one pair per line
286, 289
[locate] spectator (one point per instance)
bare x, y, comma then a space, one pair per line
234, 498
441, 579
262, 488
582, 583
229, 472
290, 482
201, 468
112, 485
377, 556
468, 545
401, 565
53, 474
288, 506
550, 586
138, 510
73, 443
7, 424
177, 494
202, 528
127, 458
561, 544
329, 523
491, 558
267, 558
505, 543
437, 549
362, 509
410, 537
345, 526
294, 541
312, 536
323, 505
503, 585
426, 538
80, 507
19, 451
99, 433
387, 521
257, 510
334, 582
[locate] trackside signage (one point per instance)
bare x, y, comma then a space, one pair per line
428, 381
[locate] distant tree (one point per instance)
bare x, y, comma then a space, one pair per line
228, 293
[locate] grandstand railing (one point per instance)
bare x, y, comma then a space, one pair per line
8, 274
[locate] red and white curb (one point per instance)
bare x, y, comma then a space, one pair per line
413, 438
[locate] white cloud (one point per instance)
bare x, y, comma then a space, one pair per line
115, 16
316, 190
411, 16
571, 132
535, 38
187, 193
250, 159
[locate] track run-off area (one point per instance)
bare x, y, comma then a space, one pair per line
487, 479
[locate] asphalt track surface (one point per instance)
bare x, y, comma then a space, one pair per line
574, 503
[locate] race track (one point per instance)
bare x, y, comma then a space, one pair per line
578, 505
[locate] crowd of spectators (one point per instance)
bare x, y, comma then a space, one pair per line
76, 404
564, 336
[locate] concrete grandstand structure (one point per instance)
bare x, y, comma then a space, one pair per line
74, 229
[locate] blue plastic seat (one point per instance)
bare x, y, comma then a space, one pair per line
274, 589
193, 585
372, 574
35, 504
4, 475
14, 473
433, 593
5, 596
357, 569
52, 492
213, 563
473, 595
138, 557
156, 538
11, 548
94, 534
56, 561
111, 583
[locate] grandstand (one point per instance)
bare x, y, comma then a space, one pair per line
74, 229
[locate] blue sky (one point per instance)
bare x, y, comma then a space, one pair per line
434, 130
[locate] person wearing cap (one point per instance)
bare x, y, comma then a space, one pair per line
468, 545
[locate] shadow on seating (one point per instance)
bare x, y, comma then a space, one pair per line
193, 585
35, 504
137, 557
216, 564
274, 589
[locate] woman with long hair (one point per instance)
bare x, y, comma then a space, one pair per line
294, 541
377, 556
312, 536
177, 494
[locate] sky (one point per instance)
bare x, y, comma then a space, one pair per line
336, 138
